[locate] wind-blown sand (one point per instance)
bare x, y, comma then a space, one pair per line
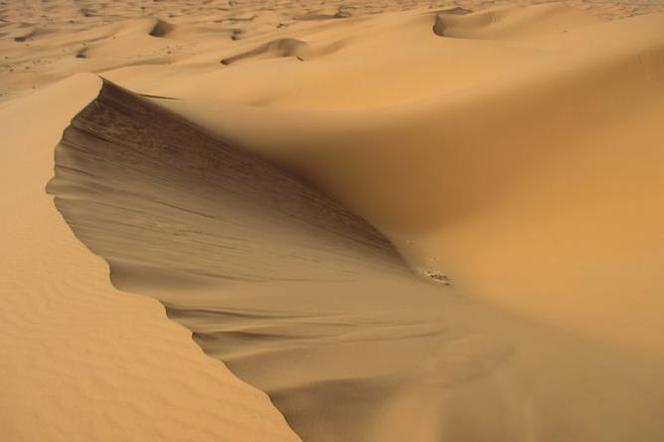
427, 224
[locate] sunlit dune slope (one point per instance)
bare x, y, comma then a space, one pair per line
438, 224
127, 169
348, 344
528, 167
81, 360
495, 183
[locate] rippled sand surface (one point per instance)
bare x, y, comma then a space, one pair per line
411, 221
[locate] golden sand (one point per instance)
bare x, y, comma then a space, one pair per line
379, 222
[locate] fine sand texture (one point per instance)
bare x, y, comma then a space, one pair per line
266, 221
81, 361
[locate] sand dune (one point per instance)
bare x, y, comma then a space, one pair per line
283, 47
437, 223
532, 177
321, 315
82, 361
127, 169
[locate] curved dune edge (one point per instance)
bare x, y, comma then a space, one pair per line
564, 159
81, 361
140, 185
312, 306
356, 354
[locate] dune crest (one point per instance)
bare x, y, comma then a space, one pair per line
528, 151
314, 307
72, 367
284, 47
133, 162
393, 221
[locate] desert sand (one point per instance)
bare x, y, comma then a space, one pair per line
332, 221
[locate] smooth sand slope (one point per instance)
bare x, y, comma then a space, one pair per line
82, 361
430, 225
347, 344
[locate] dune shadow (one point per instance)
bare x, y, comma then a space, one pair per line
313, 305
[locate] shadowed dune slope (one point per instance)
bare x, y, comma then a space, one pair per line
528, 169
148, 174
274, 205
313, 306
508, 22
81, 360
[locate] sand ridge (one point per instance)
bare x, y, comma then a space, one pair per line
289, 205
42, 42
72, 366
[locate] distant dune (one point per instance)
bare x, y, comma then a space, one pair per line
424, 222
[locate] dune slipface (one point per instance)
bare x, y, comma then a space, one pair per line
73, 367
125, 171
441, 224
312, 305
